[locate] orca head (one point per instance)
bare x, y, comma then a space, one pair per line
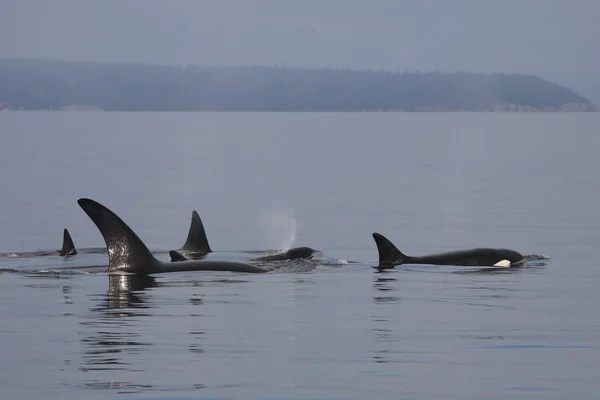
300, 252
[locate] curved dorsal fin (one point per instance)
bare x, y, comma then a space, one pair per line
68, 247
196, 242
126, 251
388, 253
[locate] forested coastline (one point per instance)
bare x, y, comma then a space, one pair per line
29, 84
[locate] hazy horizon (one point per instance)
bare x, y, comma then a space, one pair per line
553, 39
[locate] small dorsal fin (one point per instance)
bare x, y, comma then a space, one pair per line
68, 247
176, 256
196, 242
389, 255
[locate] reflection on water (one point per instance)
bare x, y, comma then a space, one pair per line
122, 387
68, 293
384, 285
196, 334
112, 338
126, 291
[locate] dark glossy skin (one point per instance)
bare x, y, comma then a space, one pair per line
291, 254
389, 256
128, 254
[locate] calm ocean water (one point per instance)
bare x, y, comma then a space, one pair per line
429, 182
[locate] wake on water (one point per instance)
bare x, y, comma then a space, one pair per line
535, 257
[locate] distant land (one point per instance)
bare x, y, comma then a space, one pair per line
588, 86
36, 84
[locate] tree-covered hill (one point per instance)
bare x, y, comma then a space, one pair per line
49, 84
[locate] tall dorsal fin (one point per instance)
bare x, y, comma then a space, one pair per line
196, 242
126, 251
176, 256
68, 247
389, 255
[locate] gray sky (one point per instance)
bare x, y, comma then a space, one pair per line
555, 39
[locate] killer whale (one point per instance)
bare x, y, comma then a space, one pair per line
196, 246
68, 247
292, 254
127, 254
390, 256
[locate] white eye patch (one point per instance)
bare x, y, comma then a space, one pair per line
502, 263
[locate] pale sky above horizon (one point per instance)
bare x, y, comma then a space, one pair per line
558, 40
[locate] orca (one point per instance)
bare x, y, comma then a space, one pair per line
127, 254
68, 247
390, 256
292, 254
196, 244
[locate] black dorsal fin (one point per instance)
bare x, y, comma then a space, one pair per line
126, 251
176, 256
389, 255
68, 247
196, 242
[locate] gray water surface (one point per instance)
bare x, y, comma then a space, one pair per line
429, 182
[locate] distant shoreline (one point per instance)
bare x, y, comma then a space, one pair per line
324, 112
27, 84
